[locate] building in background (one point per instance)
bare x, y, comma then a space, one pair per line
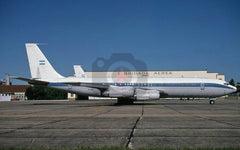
16, 92
12, 92
6, 81
72, 96
158, 74
5, 97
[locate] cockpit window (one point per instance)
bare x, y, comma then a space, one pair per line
226, 83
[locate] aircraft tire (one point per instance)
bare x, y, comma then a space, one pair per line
212, 102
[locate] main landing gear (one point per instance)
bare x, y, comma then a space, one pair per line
124, 101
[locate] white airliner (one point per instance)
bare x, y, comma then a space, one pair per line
44, 74
79, 73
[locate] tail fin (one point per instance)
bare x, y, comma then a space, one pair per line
79, 73
39, 65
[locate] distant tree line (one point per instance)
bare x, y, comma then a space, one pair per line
44, 93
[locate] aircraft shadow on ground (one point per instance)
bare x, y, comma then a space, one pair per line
114, 103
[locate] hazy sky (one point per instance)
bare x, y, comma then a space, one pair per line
166, 35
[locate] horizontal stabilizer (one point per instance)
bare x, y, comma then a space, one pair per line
79, 73
31, 81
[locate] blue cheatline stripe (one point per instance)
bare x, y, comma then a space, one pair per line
57, 84
153, 84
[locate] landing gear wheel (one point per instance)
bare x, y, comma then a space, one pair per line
211, 102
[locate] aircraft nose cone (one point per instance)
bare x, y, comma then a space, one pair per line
234, 89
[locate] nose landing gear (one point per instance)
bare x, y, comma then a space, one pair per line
211, 102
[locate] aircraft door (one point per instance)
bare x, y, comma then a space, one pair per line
69, 86
202, 89
202, 86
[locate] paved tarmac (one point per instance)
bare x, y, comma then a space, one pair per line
95, 123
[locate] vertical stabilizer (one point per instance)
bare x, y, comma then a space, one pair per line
39, 65
79, 73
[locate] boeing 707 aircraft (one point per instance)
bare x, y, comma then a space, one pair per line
44, 74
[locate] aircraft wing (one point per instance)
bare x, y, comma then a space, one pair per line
100, 86
92, 85
38, 82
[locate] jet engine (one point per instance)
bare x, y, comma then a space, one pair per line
141, 94
114, 91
